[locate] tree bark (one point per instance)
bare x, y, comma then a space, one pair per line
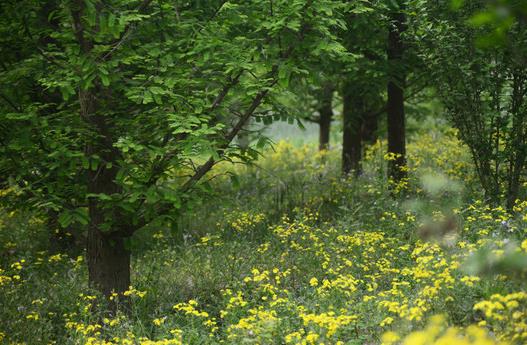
326, 115
369, 127
351, 138
324, 130
108, 262
395, 104
108, 259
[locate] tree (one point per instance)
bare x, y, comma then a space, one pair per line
151, 97
363, 81
499, 17
484, 92
351, 125
395, 92
370, 121
325, 111
22, 93
312, 101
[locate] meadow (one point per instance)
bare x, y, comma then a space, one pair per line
289, 252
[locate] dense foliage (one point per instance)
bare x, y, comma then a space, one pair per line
483, 90
121, 107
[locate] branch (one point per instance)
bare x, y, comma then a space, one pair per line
8, 101
159, 166
129, 229
312, 119
221, 96
203, 169
39, 49
127, 31
77, 14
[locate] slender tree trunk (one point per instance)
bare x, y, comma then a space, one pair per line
518, 148
395, 105
516, 166
513, 190
369, 127
324, 130
351, 138
326, 115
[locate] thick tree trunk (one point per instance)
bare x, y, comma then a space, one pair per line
395, 105
108, 262
351, 138
108, 259
326, 115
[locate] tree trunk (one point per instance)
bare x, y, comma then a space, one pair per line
395, 104
351, 138
517, 165
326, 115
108, 262
108, 259
518, 147
369, 127
324, 130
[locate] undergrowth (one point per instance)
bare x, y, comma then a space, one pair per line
290, 252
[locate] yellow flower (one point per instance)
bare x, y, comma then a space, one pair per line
524, 244
311, 338
386, 321
390, 338
32, 316
159, 321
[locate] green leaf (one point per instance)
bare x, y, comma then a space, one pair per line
261, 143
65, 218
104, 79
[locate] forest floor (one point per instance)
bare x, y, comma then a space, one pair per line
290, 253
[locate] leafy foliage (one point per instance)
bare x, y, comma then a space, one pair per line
483, 91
